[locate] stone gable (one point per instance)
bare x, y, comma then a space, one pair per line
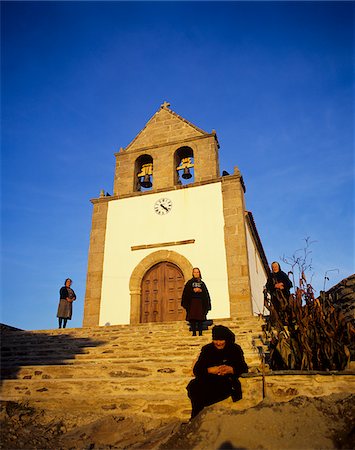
163, 128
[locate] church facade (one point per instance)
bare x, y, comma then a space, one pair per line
170, 211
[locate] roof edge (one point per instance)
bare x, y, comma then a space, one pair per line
165, 106
256, 237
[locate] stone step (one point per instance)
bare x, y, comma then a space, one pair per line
158, 382
103, 352
124, 369
176, 407
137, 348
109, 352
78, 357
164, 397
129, 396
134, 343
116, 334
183, 360
16, 367
119, 348
109, 368
131, 330
73, 344
120, 370
93, 341
141, 327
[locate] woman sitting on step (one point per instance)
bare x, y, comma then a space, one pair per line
217, 370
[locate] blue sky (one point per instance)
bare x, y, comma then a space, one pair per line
81, 79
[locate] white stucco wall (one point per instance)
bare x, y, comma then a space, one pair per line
257, 272
197, 213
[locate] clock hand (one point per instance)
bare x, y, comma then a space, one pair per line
166, 209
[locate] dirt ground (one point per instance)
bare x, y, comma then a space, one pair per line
302, 424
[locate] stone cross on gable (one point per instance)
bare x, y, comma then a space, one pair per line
165, 105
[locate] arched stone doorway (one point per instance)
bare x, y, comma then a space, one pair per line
161, 291
135, 283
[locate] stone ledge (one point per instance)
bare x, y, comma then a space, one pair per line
278, 373
162, 244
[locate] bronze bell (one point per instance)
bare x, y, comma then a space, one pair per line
146, 183
186, 175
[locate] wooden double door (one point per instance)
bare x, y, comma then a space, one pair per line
162, 288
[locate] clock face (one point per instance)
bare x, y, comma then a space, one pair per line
163, 206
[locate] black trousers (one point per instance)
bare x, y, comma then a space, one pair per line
198, 324
62, 320
212, 389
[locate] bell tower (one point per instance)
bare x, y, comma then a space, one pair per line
170, 211
163, 149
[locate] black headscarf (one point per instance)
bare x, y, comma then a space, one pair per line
278, 277
221, 333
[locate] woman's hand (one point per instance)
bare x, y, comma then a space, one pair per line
226, 370
279, 285
220, 370
197, 290
214, 370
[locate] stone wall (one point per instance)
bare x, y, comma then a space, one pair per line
95, 263
343, 297
236, 245
283, 387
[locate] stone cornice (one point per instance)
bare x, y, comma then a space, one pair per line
158, 191
162, 244
103, 199
223, 179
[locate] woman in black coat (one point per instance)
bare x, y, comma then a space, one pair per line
278, 285
217, 370
65, 307
196, 300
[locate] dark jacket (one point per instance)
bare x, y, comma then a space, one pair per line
63, 293
231, 355
188, 294
278, 277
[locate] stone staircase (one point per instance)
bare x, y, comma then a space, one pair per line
123, 369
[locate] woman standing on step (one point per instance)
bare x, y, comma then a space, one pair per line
66, 298
278, 286
196, 300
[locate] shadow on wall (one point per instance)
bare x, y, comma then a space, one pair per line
21, 348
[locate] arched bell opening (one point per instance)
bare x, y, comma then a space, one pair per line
184, 165
143, 174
